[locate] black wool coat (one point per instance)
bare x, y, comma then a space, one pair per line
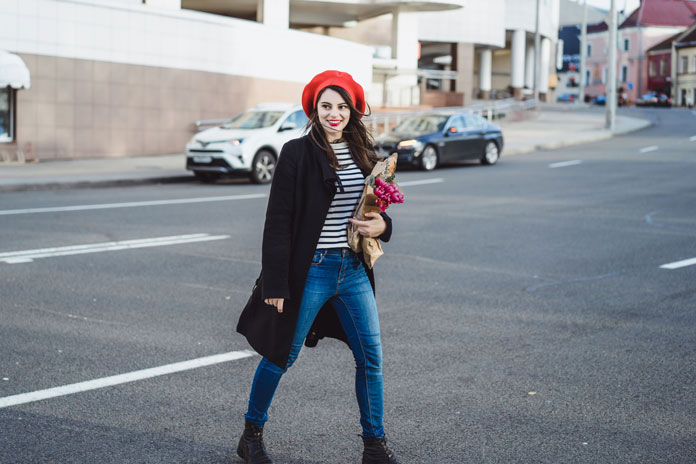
303, 187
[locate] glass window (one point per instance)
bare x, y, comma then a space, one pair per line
589, 49
662, 67
254, 120
474, 121
299, 118
6, 120
458, 122
624, 73
425, 124
693, 64
682, 64
626, 44
651, 72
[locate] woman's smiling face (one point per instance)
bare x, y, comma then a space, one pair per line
333, 113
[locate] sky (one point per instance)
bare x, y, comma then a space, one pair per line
629, 5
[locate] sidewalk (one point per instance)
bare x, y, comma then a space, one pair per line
553, 126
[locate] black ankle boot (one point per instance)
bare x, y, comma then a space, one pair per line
251, 447
377, 452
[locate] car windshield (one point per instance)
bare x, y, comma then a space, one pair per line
253, 120
423, 124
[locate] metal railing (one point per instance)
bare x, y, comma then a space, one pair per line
492, 111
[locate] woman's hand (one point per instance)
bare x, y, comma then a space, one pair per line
277, 302
373, 227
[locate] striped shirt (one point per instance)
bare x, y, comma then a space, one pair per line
349, 188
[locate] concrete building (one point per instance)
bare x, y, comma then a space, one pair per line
571, 17
105, 78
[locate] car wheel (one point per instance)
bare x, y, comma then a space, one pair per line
491, 154
262, 167
429, 158
207, 177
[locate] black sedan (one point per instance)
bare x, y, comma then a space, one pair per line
430, 139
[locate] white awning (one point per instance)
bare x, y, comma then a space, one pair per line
13, 71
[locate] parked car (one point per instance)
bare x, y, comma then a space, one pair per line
600, 100
430, 139
248, 144
567, 97
654, 99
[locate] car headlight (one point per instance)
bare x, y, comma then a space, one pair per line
236, 142
415, 145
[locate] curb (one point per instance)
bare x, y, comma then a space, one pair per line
95, 184
580, 140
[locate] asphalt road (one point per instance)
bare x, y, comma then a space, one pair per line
525, 317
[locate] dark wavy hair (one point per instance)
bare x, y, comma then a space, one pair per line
355, 134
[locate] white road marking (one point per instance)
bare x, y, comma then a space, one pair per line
649, 149
132, 204
27, 256
421, 182
563, 164
678, 264
692, 138
123, 378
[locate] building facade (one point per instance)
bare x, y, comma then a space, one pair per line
109, 78
684, 68
651, 23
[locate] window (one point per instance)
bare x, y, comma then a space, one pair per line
604, 75
682, 64
587, 77
651, 70
693, 64
475, 122
589, 49
624, 73
7, 114
626, 44
663, 64
298, 118
459, 123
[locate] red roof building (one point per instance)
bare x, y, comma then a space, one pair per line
651, 23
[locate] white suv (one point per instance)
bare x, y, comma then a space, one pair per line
249, 143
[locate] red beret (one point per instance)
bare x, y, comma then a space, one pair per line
337, 78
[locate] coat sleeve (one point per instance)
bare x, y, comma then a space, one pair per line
277, 231
386, 235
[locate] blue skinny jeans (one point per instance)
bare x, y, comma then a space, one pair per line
335, 275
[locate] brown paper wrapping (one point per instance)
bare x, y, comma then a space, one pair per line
370, 247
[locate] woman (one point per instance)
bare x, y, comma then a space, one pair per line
312, 285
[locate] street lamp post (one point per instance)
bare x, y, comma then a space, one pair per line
611, 74
537, 55
583, 54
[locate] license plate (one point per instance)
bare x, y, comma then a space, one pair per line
202, 159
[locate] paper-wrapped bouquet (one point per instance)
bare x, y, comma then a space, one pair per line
380, 191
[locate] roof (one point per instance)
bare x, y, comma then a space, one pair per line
662, 13
687, 38
600, 27
665, 45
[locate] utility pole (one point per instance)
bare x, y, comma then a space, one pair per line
583, 54
537, 55
610, 87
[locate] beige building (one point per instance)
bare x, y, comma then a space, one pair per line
684, 68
